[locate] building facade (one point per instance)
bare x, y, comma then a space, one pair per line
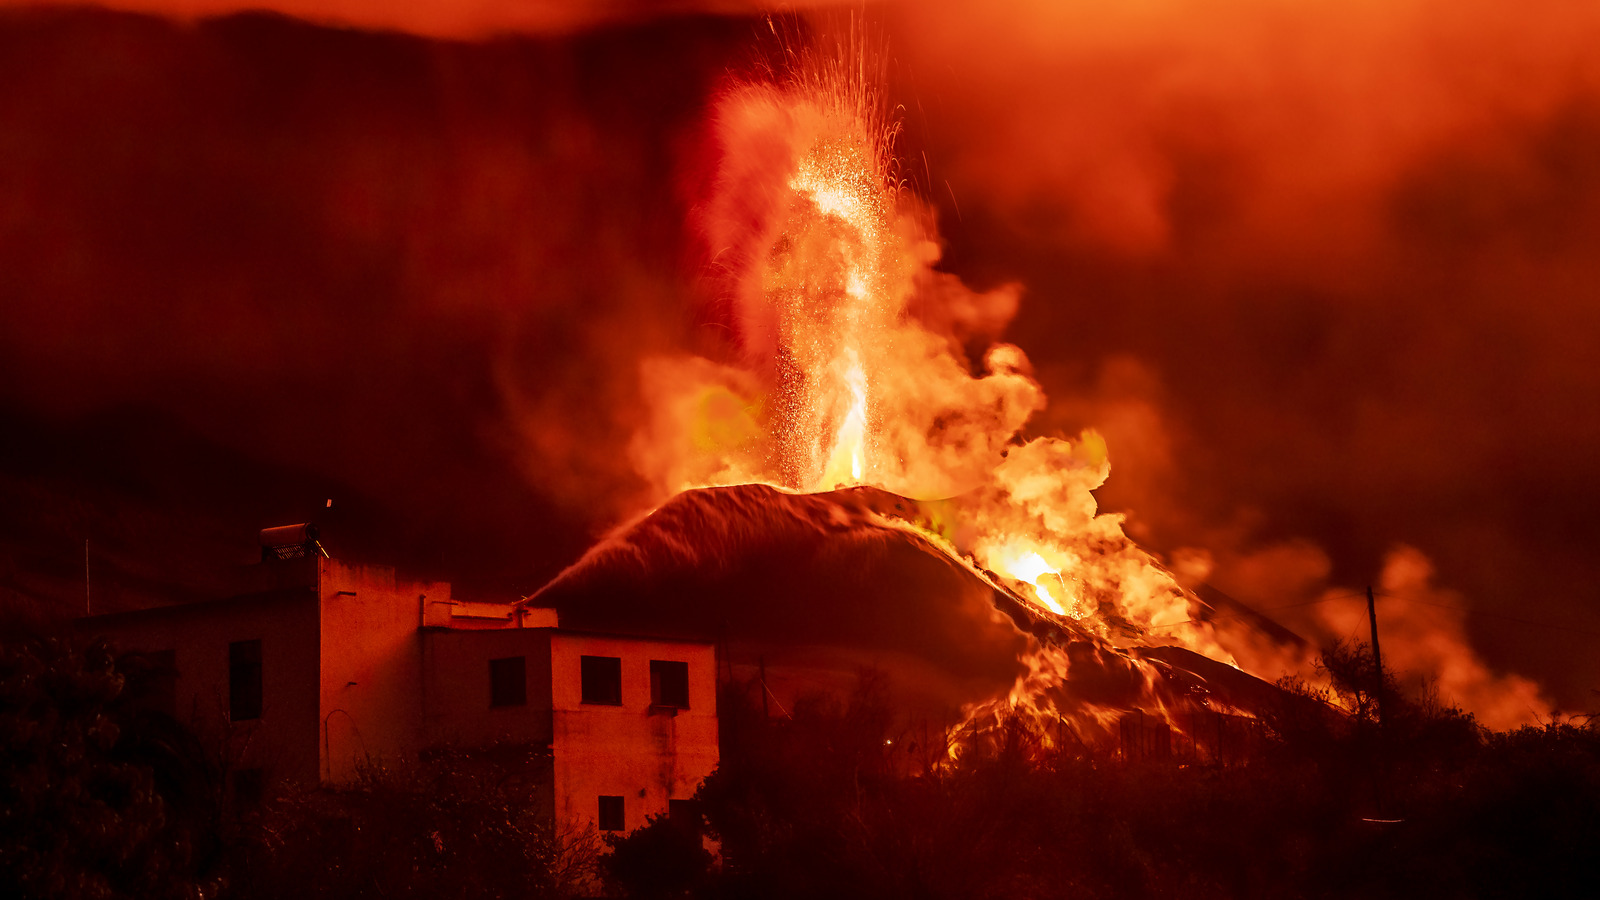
318, 666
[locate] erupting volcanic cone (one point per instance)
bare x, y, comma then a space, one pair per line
758, 567
844, 578
847, 381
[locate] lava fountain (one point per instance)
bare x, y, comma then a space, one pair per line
848, 368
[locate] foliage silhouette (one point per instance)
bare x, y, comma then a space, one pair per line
820, 803
102, 796
99, 796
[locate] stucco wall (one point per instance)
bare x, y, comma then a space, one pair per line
646, 756
457, 709
283, 741
371, 665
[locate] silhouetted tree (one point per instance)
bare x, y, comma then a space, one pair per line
99, 798
665, 858
452, 823
813, 805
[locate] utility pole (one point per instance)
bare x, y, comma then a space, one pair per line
1380, 784
1377, 657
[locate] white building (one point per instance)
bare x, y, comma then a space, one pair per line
319, 665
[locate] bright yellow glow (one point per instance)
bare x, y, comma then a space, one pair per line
837, 297
829, 199
1031, 567
850, 441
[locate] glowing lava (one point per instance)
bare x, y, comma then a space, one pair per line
850, 369
849, 444
1031, 567
825, 281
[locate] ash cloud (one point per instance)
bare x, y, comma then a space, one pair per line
1320, 272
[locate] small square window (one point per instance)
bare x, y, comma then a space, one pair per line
611, 818
669, 683
244, 680
685, 814
602, 679
508, 681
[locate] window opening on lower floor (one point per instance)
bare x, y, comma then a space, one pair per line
685, 814
611, 818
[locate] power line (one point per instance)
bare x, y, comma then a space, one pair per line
1482, 612
1401, 597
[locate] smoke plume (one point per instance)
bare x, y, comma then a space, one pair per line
1316, 271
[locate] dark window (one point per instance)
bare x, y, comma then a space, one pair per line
508, 681
244, 680
684, 814
611, 813
602, 680
669, 683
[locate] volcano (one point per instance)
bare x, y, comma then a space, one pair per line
833, 581
846, 378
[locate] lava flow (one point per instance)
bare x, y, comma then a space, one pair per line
849, 369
